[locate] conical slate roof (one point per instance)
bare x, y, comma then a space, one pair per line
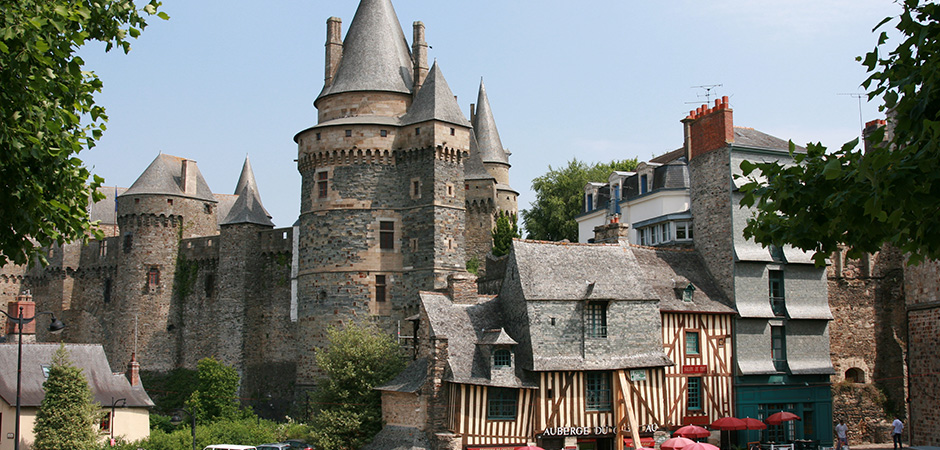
473, 169
375, 53
491, 149
435, 101
164, 177
248, 207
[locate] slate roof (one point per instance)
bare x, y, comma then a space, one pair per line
375, 53
163, 175
491, 148
750, 137
667, 271
435, 101
247, 208
409, 380
558, 271
669, 156
106, 209
672, 175
464, 325
393, 437
104, 384
473, 169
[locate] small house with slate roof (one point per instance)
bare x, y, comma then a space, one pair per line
585, 344
131, 414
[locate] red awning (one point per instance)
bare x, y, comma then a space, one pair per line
644, 441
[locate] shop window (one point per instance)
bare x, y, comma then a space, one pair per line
695, 394
779, 347
596, 319
692, 343
502, 358
386, 235
322, 184
380, 289
598, 393
777, 299
501, 403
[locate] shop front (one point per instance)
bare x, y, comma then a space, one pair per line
589, 438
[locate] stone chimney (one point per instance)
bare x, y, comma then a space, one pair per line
473, 112
133, 371
188, 177
708, 129
419, 50
462, 288
24, 301
612, 233
870, 128
334, 49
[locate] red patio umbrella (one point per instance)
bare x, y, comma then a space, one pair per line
692, 432
780, 417
700, 446
529, 447
676, 443
729, 423
754, 424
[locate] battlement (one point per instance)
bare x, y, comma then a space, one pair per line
200, 248
353, 156
278, 240
150, 220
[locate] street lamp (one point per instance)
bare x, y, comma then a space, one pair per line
123, 402
20, 321
176, 419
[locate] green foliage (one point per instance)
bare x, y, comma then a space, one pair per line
216, 394
186, 274
888, 195
473, 265
559, 198
46, 96
506, 229
68, 414
358, 358
237, 431
169, 391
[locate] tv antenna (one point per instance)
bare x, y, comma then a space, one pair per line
861, 123
708, 92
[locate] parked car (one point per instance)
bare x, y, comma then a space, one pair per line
229, 447
279, 446
297, 444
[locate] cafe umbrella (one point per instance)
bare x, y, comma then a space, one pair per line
676, 443
692, 432
780, 417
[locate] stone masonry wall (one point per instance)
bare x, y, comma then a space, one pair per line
709, 179
923, 312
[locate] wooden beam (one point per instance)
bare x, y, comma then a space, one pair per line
627, 392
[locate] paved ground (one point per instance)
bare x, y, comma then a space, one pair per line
887, 446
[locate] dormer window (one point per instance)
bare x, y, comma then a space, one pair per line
643, 184
502, 358
596, 319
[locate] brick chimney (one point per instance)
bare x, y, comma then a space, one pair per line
188, 177
25, 301
419, 49
334, 49
133, 371
708, 129
462, 288
870, 128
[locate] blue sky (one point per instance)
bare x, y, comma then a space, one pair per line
595, 80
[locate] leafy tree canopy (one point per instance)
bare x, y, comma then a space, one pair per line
46, 95
559, 198
216, 396
506, 229
358, 358
68, 415
889, 194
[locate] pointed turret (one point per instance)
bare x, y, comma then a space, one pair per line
375, 55
435, 101
484, 126
473, 167
248, 207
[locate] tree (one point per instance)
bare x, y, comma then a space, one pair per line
46, 96
357, 359
506, 229
889, 194
68, 414
559, 198
216, 395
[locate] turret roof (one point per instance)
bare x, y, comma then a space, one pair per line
375, 53
164, 176
491, 148
473, 169
248, 207
435, 101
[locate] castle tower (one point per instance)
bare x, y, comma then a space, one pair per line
170, 201
382, 201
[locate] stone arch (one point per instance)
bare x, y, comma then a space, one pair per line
855, 375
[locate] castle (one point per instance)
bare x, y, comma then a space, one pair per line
399, 190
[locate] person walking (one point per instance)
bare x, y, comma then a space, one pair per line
896, 432
842, 437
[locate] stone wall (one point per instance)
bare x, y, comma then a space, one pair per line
922, 289
709, 180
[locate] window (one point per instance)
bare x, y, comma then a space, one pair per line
692, 343
380, 288
322, 184
102, 248
502, 358
45, 371
153, 277
695, 393
414, 244
683, 231
450, 190
589, 203
383, 133
598, 391
386, 235
207, 207
417, 131
779, 433
855, 375
210, 285
348, 133
501, 403
778, 350
169, 201
107, 290
128, 241
597, 319
643, 186
451, 131
777, 301
105, 424
318, 136
416, 188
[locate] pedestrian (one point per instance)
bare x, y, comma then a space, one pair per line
896, 432
842, 438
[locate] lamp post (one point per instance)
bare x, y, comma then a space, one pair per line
123, 402
55, 327
176, 419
